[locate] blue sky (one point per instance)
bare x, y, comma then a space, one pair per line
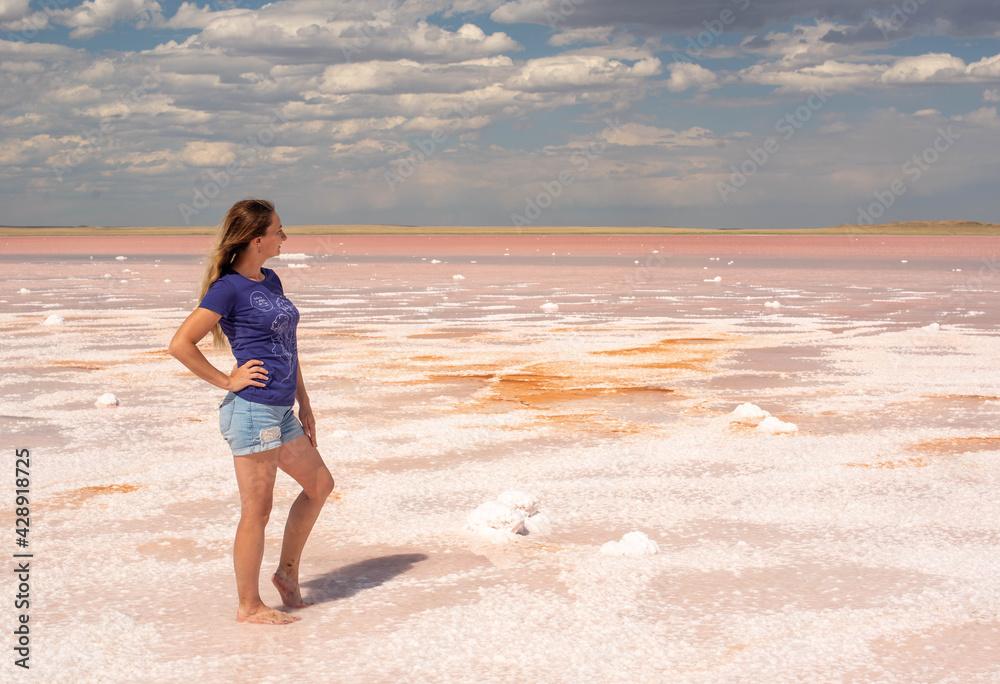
715, 114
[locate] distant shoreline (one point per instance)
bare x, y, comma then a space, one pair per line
918, 228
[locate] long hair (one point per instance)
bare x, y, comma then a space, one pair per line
246, 221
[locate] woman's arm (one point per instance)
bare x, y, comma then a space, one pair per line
305, 409
183, 347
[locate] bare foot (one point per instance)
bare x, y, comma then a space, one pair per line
266, 616
289, 590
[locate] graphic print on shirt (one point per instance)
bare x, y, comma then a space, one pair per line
259, 300
283, 333
282, 328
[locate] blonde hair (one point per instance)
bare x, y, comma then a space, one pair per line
246, 221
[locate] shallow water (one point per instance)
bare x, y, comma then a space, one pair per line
862, 547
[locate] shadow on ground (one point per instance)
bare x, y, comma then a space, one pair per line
356, 577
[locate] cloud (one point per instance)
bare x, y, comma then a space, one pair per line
576, 71
11, 10
831, 76
210, 154
684, 76
987, 68
984, 116
991, 95
94, 17
408, 76
967, 17
299, 31
932, 67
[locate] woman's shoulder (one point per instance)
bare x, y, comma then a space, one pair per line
224, 280
270, 275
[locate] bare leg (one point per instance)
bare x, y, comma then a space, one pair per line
255, 476
301, 460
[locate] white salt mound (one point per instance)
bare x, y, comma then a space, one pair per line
716, 279
538, 524
933, 327
633, 544
773, 305
514, 512
549, 306
121, 258
521, 501
458, 277
107, 400
494, 516
776, 426
435, 261
24, 290
298, 265
54, 319
748, 412
297, 257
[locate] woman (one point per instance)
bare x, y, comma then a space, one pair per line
246, 302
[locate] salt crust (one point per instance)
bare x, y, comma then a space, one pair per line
294, 257
748, 413
634, 544
776, 426
514, 512
107, 400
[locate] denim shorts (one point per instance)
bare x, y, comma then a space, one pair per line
250, 427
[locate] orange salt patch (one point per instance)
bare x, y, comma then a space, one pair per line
155, 352
443, 336
957, 445
903, 463
335, 495
595, 423
667, 345
326, 333
80, 365
78, 497
686, 353
973, 397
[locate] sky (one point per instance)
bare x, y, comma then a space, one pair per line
711, 114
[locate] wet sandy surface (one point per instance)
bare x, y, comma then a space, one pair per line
862, 547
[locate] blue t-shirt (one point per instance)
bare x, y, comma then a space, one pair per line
260, 323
